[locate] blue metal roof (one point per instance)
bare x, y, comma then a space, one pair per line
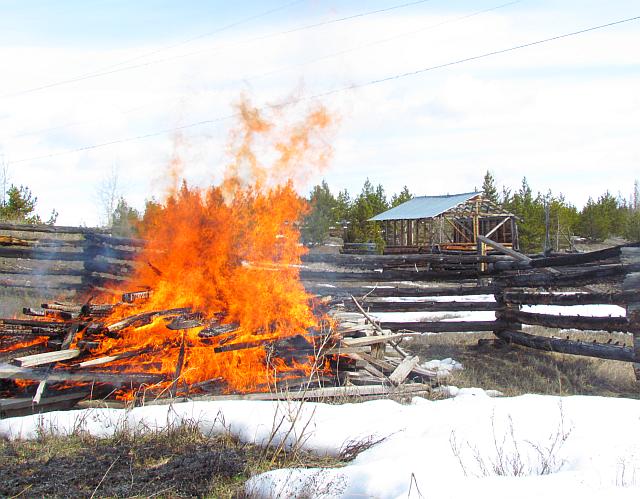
424, 207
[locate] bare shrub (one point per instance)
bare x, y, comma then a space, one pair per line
507, 457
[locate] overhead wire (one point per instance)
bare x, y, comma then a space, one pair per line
203, 35
334, 91
302, 64
188, 54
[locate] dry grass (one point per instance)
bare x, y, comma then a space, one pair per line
176, 462
516, 370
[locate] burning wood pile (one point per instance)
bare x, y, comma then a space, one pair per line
218, 308
71, 352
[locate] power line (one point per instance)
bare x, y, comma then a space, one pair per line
334, 91
294, 66
188, 54
385, 40
203, 35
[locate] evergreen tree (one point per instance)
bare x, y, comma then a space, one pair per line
322, 215
369, 203
125, 220
603, 218
489, 189
19, 205
402, 197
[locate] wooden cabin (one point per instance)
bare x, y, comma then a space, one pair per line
432, 224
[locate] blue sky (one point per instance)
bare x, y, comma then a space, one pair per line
565, 114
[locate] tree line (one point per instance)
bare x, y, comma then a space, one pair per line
546, 221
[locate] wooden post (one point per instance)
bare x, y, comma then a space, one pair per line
630, 256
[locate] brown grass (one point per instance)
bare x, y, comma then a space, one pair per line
177, 462
516, 370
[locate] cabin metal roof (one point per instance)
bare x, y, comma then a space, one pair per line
424, 207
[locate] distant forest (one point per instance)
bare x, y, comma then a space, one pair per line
599, 219
346, 214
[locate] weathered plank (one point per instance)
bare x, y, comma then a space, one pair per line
39, 359
401, 372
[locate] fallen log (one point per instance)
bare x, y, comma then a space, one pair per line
444, 327
105, 267
42, 254
33, 323
316, 393
565, 321
581, 258
573, 347
56, 229
381, 261
115, 241
9, 371
451, 306
400, 291
592, 298
387, 275
570, 279
144, 318
373, 340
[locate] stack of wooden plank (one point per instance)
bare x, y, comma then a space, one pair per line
54, 348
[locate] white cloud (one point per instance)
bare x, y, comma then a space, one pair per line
566, 114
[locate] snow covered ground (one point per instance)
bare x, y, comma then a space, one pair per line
467, 446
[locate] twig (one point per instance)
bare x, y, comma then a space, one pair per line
103, 477
375, 325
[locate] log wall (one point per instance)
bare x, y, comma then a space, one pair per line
61, 261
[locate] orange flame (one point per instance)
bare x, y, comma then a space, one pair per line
229, 252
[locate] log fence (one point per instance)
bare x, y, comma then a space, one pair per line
57, 261
80, 260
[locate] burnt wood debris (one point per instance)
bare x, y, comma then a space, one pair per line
53, 346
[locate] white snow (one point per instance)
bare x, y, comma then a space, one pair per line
442, 367
582, 310
591, 445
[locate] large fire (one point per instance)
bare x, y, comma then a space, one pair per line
228, 253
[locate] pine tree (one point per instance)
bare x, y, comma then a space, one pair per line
402, 197
489, 189
19, 206
322, 215
125, 219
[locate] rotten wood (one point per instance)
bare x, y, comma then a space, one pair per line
593, 298
610, 324
573, 347
431, 306
444, 327
503, 249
